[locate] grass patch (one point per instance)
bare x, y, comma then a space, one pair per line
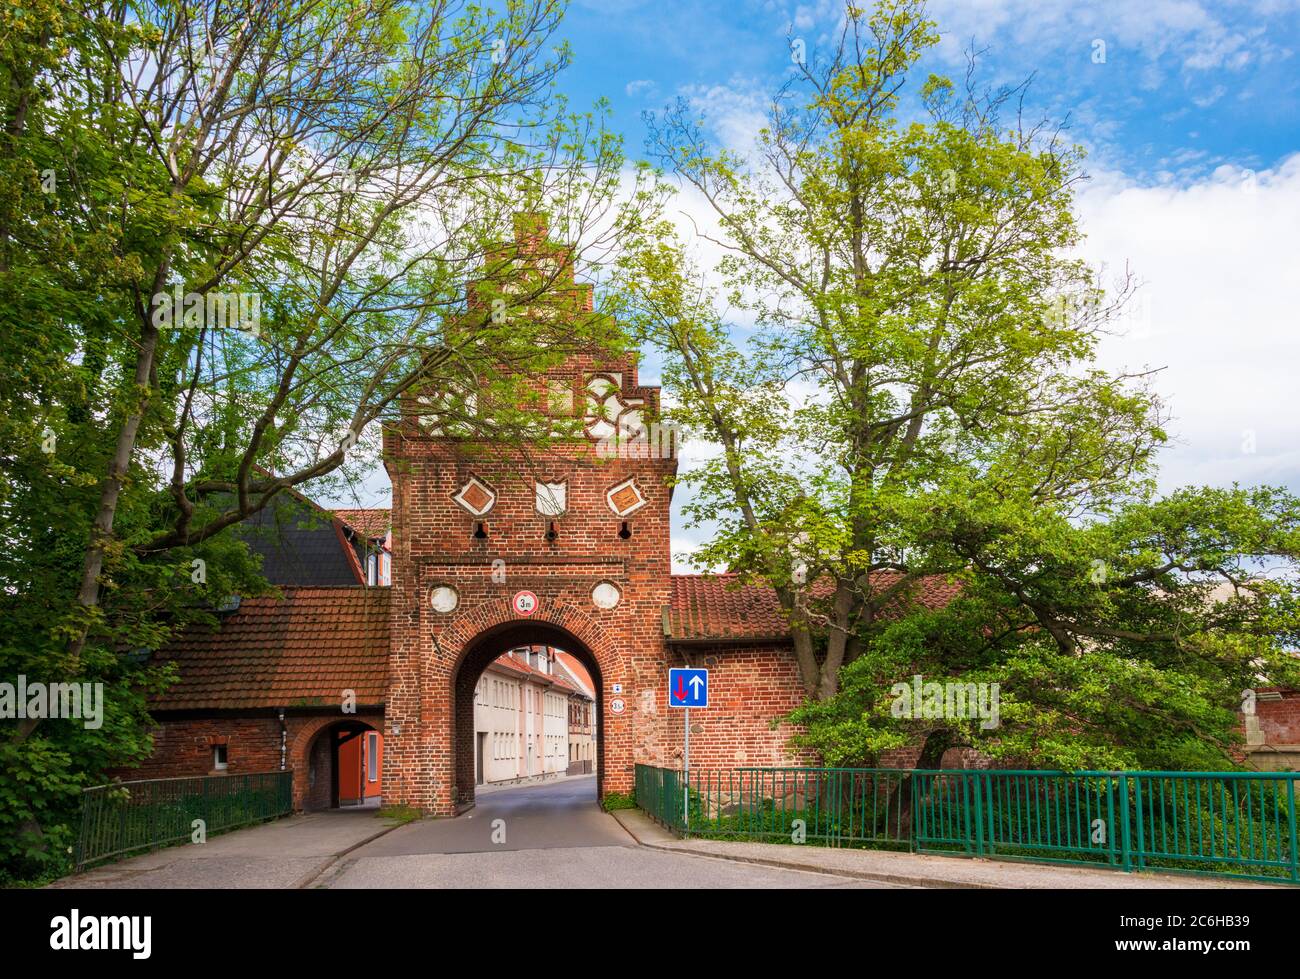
400, 814
618, 800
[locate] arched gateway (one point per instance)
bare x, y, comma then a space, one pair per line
553, 624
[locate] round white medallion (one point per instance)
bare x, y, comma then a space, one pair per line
605, 595
444, 599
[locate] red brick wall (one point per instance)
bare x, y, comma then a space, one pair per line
318, 791
748, 687
184, 748
1279, 720
1277, 746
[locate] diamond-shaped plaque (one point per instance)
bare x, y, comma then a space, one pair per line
625, 498
476, 497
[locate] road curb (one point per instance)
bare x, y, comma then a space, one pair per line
311, 878
644, 830
650, 834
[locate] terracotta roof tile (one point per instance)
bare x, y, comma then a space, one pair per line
507, 663
576, 671
719, 607
369, 523
302, 650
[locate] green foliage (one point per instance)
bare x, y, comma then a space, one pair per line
400, 815
612, 801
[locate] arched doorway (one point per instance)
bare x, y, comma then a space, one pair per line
344, 764
510, 708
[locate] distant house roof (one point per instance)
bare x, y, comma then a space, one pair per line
576, 672
371, 523
299, 651
303, 544
720, 608
508, 663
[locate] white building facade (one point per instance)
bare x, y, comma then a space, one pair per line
522, 717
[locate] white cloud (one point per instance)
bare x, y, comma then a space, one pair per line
1195, 30
733, 112
1219, 310
1209, 98
639, 87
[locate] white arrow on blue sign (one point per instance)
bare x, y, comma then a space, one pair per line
688, 687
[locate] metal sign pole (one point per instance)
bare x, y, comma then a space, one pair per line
686, 758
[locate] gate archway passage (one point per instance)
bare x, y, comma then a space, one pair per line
469, 644
514, 696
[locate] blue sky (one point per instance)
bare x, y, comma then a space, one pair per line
1184, 87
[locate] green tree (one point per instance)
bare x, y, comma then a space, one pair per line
918, 400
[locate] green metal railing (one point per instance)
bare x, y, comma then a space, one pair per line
1241, 824
124, 817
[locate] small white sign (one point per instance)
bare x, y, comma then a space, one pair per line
616, 706
616, 687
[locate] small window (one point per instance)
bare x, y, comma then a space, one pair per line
372, 756
372, 570
219, 757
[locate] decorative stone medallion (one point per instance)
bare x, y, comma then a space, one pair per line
606, 595
476, 497
625, 498
444, 599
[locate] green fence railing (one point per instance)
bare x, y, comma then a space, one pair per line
1240, 824
659, 793
124, 817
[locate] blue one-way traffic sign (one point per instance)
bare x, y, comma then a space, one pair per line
688, 688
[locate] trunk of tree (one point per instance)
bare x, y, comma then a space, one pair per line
101, 533
898, 809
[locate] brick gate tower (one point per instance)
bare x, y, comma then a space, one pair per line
496, 547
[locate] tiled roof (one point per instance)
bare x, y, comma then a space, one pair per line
301, 544
509, 664
720, 607
369, 523
302, 650
576, 671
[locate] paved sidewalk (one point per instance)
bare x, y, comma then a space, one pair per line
491, 788
917, 869
286, 853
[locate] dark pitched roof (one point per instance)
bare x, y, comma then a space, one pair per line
301, 544
719, 607
302, 650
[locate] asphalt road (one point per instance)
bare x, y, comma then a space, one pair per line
551, 835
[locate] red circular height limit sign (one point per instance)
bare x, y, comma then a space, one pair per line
524, 603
